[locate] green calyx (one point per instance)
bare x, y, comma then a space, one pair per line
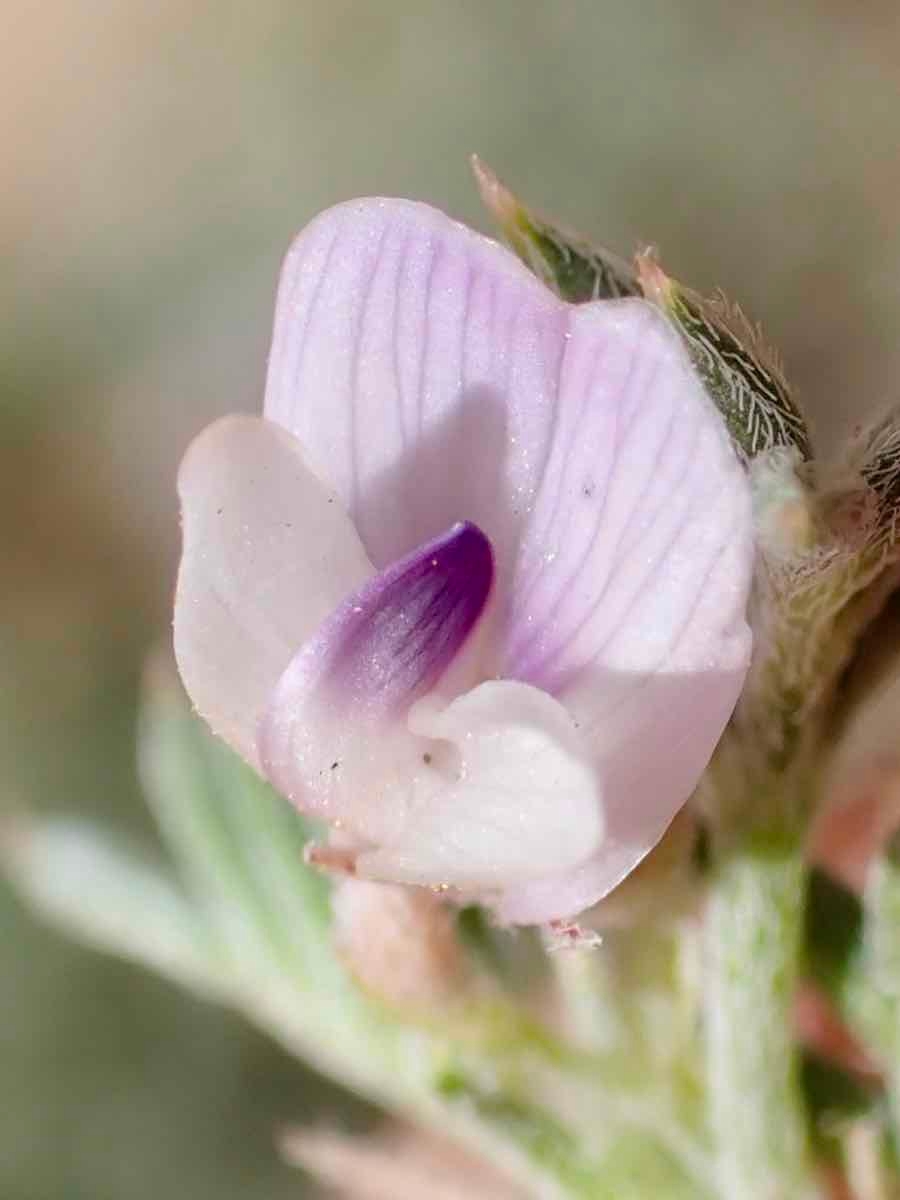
740, 373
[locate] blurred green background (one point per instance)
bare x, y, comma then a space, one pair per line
158, 155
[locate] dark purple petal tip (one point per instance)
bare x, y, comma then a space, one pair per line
392, 640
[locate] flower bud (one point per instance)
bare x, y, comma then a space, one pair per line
783, 509
395, 1164
399, 943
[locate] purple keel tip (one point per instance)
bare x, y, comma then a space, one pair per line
389, 643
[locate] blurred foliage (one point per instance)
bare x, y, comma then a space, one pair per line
158, 157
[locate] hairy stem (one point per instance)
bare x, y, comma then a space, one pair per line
756, 1110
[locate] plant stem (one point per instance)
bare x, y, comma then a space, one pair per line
881, 965
754, 932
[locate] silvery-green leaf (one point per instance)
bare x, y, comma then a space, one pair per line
627, 1167
252, 928
239, 845
103, 892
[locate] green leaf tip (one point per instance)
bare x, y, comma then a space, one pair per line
107, 893
566, 262
742, 374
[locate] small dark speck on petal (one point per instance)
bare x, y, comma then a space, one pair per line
426, 758
219, 512
335, 765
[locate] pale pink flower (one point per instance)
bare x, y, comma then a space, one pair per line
473, 590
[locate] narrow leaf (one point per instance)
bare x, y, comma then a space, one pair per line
106, 894
240, 846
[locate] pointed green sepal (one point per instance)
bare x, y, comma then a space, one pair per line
742, 375
566, 262
875, 456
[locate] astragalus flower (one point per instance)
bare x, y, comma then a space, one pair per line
473, 590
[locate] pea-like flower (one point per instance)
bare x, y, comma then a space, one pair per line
473, 590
